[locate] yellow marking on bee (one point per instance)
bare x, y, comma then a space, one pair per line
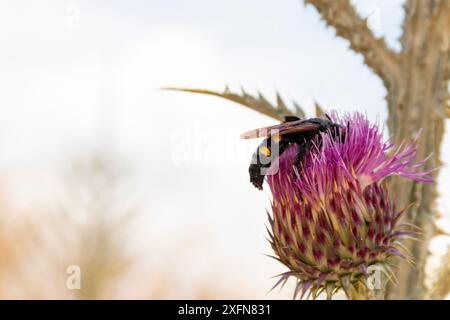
264, 151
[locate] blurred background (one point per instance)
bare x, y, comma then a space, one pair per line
147, 190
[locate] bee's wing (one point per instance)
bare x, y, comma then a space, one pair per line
281, 129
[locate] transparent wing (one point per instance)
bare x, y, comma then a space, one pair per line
281, 129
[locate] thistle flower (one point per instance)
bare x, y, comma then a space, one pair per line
333, 217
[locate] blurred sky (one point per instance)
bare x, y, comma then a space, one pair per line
83, 76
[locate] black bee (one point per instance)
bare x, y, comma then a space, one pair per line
280, 137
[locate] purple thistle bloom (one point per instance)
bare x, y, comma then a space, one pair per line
332, 215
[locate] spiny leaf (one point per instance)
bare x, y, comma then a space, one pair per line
280, 102
259, 103
299, 111
319, 109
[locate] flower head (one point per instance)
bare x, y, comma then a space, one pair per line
332, 215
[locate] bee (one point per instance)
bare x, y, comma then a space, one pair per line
278, 138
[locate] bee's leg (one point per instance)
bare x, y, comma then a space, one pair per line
304, 142
302, 150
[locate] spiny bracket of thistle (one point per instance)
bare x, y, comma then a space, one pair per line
333, 220
259, 103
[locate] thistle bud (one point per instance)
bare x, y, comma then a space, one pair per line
332, 216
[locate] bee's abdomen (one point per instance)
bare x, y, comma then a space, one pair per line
256, 178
